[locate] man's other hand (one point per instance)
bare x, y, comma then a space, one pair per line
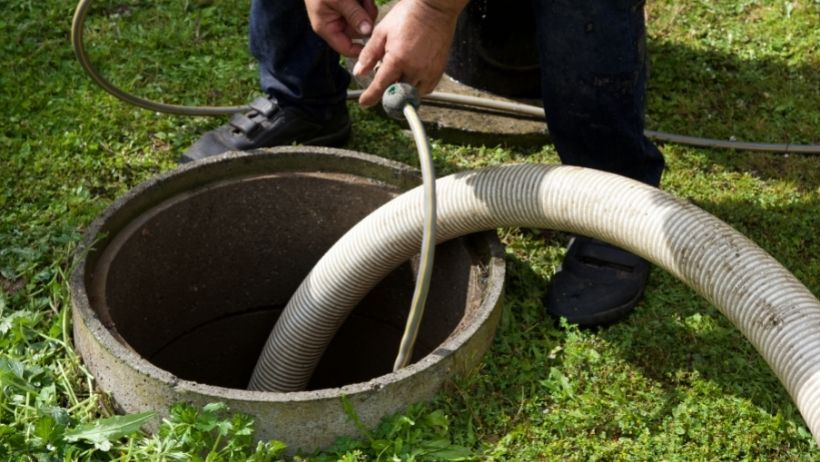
338, 22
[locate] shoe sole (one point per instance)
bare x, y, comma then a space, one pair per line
610, 316
336, 139
604, 318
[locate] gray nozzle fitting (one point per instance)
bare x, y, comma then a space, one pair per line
397, 96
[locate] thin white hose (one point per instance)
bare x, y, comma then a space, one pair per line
428, 241
775, 312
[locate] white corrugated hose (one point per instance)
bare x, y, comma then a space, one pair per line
776, 312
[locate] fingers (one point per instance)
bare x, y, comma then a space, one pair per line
356, 16
405, 54
387, 74
371, 9
339, 22
342, 43
392, 69
425, 88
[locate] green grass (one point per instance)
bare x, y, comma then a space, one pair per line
674, 382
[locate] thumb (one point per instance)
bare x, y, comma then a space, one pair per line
356, 16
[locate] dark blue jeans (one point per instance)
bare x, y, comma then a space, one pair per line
593, 61
295, 65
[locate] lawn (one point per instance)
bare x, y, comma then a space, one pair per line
676, 381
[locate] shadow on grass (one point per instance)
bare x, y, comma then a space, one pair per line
719, 95
801, 171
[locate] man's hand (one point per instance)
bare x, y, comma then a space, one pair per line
412, 42
341, 21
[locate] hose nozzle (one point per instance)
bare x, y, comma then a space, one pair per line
397, 96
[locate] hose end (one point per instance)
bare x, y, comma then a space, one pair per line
397, 96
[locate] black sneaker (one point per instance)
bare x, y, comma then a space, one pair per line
268, 124
597, 284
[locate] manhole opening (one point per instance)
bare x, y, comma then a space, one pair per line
195, 284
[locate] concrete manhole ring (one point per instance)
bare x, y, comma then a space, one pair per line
179, 282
